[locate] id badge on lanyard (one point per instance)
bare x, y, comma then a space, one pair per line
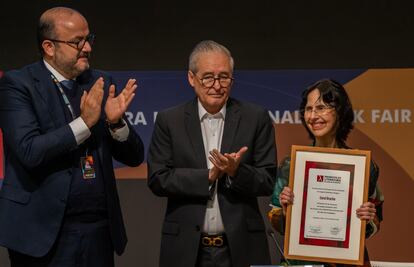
88, 166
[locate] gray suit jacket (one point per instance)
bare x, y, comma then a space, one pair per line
178, 170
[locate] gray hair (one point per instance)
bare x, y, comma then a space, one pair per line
205, 47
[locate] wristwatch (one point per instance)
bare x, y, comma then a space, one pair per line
114, 126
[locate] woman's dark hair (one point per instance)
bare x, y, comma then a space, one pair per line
334, 95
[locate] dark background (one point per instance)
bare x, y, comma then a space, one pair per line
273, 34
158, 35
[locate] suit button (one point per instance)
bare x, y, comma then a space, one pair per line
197, 228
70, 171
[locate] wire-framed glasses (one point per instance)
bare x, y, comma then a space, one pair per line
318, 109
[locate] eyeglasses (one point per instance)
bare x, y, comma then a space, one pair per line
209, 82
90, 38
318, 110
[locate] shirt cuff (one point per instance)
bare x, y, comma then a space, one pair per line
120, 134
80, 130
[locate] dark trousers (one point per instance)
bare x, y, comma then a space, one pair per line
213, 257
78, 245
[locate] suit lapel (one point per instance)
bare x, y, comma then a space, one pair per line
193, 128
230, 126
48, 92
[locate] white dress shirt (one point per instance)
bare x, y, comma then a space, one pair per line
212, 126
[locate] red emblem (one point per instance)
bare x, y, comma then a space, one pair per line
319, 178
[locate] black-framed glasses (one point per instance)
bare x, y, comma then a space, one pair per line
209, 82
90, 38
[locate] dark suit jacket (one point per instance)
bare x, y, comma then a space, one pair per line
178, 170
38, 144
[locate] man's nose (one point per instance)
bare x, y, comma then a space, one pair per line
216, 84
87, 47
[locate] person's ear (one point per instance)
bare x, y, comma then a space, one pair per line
191, 77
48, 47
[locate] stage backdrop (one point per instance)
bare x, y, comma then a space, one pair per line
383, 104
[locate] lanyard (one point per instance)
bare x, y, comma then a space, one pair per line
65, 98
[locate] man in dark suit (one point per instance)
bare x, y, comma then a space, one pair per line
62, 123
212, 157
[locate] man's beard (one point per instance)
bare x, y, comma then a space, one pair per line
73, 69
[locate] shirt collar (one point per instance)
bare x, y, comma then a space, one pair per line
55, 73
202, 112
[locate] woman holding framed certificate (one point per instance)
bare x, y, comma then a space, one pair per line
327, 114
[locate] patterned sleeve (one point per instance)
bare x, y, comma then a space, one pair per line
281, 181
275, 214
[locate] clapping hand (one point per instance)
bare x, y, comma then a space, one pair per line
228, 162
91, 102
116, 106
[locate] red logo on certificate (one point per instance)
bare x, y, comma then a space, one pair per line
319, 178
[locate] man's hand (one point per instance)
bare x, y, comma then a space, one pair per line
214, 174
115, 107
227, 163
91, 102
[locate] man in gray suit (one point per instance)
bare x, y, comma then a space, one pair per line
212, 157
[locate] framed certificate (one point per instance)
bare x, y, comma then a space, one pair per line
329, 184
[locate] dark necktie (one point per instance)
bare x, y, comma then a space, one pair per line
68, 84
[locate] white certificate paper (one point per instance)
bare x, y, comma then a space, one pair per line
327, 204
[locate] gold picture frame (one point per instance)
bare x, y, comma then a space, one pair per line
329, 184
